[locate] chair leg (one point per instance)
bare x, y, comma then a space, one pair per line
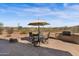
46, 41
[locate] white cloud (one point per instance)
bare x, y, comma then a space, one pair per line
65, 5
42, 10
70, 13
60, 18
74, 7
34, 12
46, 11
2, 10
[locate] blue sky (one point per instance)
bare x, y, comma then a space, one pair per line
57, 14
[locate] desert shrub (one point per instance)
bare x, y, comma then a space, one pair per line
67, 33
10, 30
8, 35
23, 31
20, 27
1, 28
13, 40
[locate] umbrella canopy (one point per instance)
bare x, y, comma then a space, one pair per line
38, 23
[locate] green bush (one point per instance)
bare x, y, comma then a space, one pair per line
23, 31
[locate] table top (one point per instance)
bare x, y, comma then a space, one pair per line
41, 37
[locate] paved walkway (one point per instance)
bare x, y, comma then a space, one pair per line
27, 49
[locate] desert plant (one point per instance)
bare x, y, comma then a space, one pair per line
11, 40
1, 28
10, 30
23, 31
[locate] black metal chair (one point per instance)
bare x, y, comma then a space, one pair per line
30, 36
46, 38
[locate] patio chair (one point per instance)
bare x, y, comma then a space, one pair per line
35, 40
30, 35
33, 37
46, 38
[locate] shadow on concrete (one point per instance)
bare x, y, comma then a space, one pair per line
26, 38
22, 49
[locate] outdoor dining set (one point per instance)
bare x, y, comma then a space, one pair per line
38, 38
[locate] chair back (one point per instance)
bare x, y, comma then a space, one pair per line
48, 35
30, 34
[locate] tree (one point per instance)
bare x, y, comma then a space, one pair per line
1, 28
20, 27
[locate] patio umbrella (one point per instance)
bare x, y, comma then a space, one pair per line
38, 23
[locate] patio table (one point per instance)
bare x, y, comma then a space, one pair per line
41, 37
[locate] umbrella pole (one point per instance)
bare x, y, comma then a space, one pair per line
38, 29
38, 33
